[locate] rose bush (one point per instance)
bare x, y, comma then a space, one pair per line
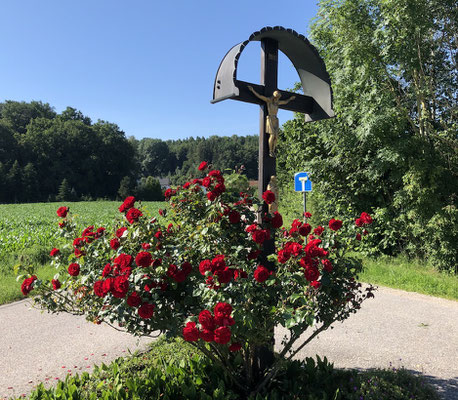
201, 275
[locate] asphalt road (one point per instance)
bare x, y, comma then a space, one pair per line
394, 329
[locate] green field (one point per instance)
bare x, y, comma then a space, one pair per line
29, 231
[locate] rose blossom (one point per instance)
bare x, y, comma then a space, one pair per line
261, 274
54, 252
318, 230
235, 347
277, 220
222, 335
311, 273
335, 224
27, 285
143, 259
305, 229
114, 244
268, 196
190, 332
234, 217
327, 265
74, 269
207, 335
206, 320
203, 165
128, 203
134, 300
120, 232
62, 212
146, 310
133, 215
366, 218
358, 236
56, 284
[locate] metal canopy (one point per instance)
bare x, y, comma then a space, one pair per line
316, 103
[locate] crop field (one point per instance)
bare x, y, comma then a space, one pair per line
29, 231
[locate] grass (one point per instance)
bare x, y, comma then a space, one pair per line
29, 231
172, 369
410, 275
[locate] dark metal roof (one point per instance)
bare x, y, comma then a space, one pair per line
304, 57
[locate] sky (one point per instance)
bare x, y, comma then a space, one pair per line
148, 66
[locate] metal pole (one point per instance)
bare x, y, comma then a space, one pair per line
305, 206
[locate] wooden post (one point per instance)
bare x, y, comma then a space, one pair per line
267, 168
267, 164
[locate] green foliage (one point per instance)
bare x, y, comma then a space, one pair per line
391, 149
442, 240
172, 370
28, 233
149, 189
126, 187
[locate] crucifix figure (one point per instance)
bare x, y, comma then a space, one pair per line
272, 125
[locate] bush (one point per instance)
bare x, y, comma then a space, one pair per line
204, 277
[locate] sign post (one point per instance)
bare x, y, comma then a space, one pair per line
303, 184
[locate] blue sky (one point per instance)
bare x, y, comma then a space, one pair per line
147, 66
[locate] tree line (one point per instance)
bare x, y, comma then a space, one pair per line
48, 156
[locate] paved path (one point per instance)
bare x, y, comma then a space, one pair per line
394, 329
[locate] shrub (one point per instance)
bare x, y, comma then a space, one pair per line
205, 278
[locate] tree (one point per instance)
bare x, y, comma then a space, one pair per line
126, 187
149, 189
64, 193
19, 114
393, 144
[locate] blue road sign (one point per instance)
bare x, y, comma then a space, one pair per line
302, 183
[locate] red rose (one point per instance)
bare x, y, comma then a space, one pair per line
123, 260
318, 230
335, 224
222, 310
143, 259
307, 215
204, 266
54, 252
120, 232
234, 217
133, 215
268, 196
74, 269
218, 263
62, 212
215, 173
283, 256
100, 231
366, 218
206, 320
203, 165
315, 284
295, 249
207, 335
107, 270
146, 310
277, 220
190, 332
211, 196
222, 335
359, 222
224, 275
114, 244
251, 228
120, 287
27, 285
261, 274
296, 223
78, 242
235, 347
176, 274
365, 232
128, 203
100, 289
206, 182
311, 273
260, 236
219, 189
240, 273
108, 284
358, 236
134, 300
327, 265
186, 185
56, 284
305, 229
